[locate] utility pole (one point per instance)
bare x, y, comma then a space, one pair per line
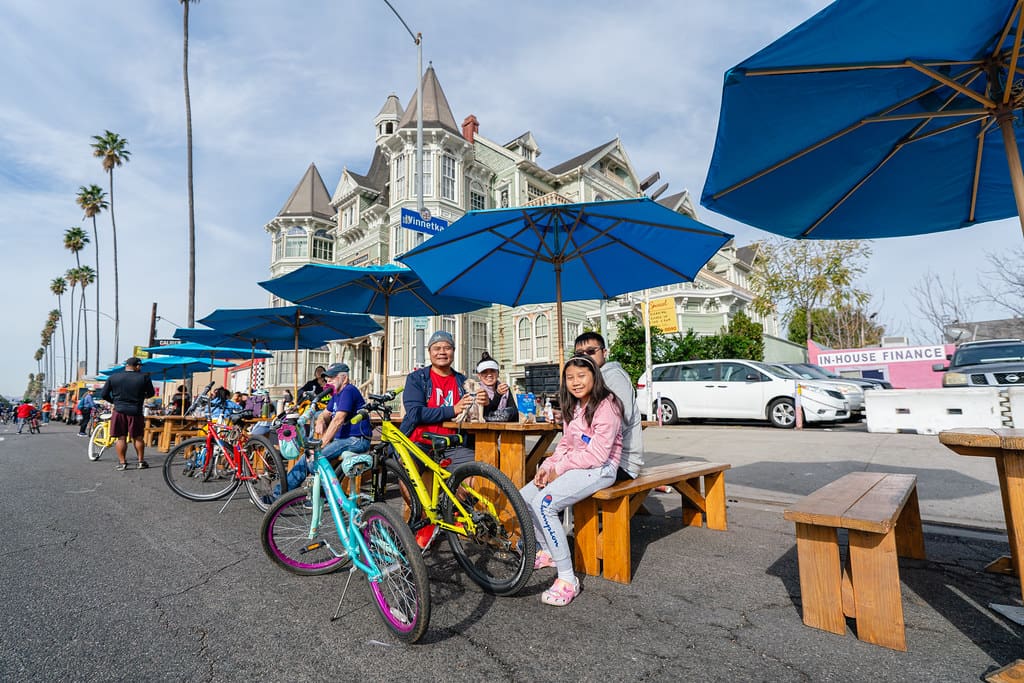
152, 326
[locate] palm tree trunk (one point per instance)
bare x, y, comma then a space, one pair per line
117, 309
63, 338
191, 203
85, 325
96, 245
73, 360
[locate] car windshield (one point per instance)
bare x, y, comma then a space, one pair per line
995, 353
812, 371
775, 370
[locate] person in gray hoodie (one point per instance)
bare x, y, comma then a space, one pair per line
617, 379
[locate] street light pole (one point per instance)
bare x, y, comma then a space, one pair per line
418, 39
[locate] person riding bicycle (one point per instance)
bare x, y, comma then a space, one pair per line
86, 405
24, 410
332, 425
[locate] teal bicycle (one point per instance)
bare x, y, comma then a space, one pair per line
317, 530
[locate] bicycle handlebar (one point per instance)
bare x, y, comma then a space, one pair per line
377, 402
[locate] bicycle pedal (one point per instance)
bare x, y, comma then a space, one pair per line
311, 547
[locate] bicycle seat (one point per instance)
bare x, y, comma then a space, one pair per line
444, 441
354, 464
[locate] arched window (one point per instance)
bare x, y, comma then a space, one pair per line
323, 246
525, 339
296, 243
540, 334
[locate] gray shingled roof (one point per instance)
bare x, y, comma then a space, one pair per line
309, 198
377, 177
746, 254
672, 201
436, 112
579, 160
392, 108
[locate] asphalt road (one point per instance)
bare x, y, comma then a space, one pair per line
110, 576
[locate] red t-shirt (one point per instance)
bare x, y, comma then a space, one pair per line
24, 410
444, 392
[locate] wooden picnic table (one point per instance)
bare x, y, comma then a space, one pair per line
511, 455
503, 444
1006, 447
170, 426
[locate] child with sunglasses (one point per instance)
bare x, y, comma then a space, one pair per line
584, 461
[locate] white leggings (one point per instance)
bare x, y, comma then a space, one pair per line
545, 504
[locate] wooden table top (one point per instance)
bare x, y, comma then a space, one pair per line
531, 428
983, 438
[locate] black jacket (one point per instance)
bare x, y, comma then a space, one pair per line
128, 391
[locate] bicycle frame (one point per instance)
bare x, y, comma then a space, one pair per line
232, 450
409, 454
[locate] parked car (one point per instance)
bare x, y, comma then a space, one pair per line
736, 389
995, 362
818, 372
852, 392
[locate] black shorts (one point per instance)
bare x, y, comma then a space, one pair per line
122, 425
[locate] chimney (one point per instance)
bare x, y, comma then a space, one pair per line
470, 126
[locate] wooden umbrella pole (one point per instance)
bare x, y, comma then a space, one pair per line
1005, 119
295, 375
384, 346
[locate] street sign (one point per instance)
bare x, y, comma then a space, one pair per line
166, 342
420, 322
139, 353
430, 225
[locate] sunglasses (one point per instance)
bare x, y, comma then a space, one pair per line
589, 352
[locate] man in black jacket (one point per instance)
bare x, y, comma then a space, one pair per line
128, 390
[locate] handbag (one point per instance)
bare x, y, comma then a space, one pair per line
504, 412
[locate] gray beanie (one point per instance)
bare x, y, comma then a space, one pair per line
441, 336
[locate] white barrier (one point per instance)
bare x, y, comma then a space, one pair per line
929, 411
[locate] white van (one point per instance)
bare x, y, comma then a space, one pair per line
735, 389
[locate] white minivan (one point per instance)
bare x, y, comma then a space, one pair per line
735, 389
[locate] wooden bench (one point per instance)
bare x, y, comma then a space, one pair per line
602, 521
881, 514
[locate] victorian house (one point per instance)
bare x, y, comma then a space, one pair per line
361, 224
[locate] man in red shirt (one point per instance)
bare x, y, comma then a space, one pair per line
433, 395
24, 410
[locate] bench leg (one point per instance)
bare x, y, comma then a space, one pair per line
876, 589
909, 535
817, 550
615, 540
714, 500
584, 514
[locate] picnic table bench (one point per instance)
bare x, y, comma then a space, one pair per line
880, 512
601, 521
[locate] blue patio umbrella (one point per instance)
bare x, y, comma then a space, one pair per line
876, 118
308, 327
193, 349
380, 290
564, 252
165, 369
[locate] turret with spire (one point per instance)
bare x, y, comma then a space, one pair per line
387, 119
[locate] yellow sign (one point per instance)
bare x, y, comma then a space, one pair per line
663, 315
139, 353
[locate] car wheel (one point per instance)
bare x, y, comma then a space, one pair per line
781, 413
669, 415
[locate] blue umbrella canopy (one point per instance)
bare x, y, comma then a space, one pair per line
168, 368
565, 252
285, 340
195, 349
381, 290
308, 327
875, 118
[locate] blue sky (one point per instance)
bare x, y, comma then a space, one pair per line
276, 86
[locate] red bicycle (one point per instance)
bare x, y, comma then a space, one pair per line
212, 466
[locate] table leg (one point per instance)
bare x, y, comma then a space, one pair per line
1011, 480
537, 453
165, 436
511, 457
486, 445
817, 549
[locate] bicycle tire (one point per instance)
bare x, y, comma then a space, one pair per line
397, 492
285, 536
266, 462
98, 443
193, 474
402, 595
499, 558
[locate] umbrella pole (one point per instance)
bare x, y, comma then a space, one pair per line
558, 314
295, 383
384, 348
1013, 159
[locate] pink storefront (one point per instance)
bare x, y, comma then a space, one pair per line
905, 367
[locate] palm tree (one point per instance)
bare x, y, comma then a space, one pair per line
113, 150
191, 204
72, 279
93, 200
75, 240
58, 286
86, 276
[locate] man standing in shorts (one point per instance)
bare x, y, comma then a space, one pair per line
128, 390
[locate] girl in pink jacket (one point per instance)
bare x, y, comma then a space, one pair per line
584, 461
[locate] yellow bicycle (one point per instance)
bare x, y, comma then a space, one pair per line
99, 438
483, 515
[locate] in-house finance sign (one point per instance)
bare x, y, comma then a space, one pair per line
903, 354
413, 221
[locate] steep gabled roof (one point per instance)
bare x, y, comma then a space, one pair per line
309, 198
747, 254
377, 176
581, 159
436, 112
